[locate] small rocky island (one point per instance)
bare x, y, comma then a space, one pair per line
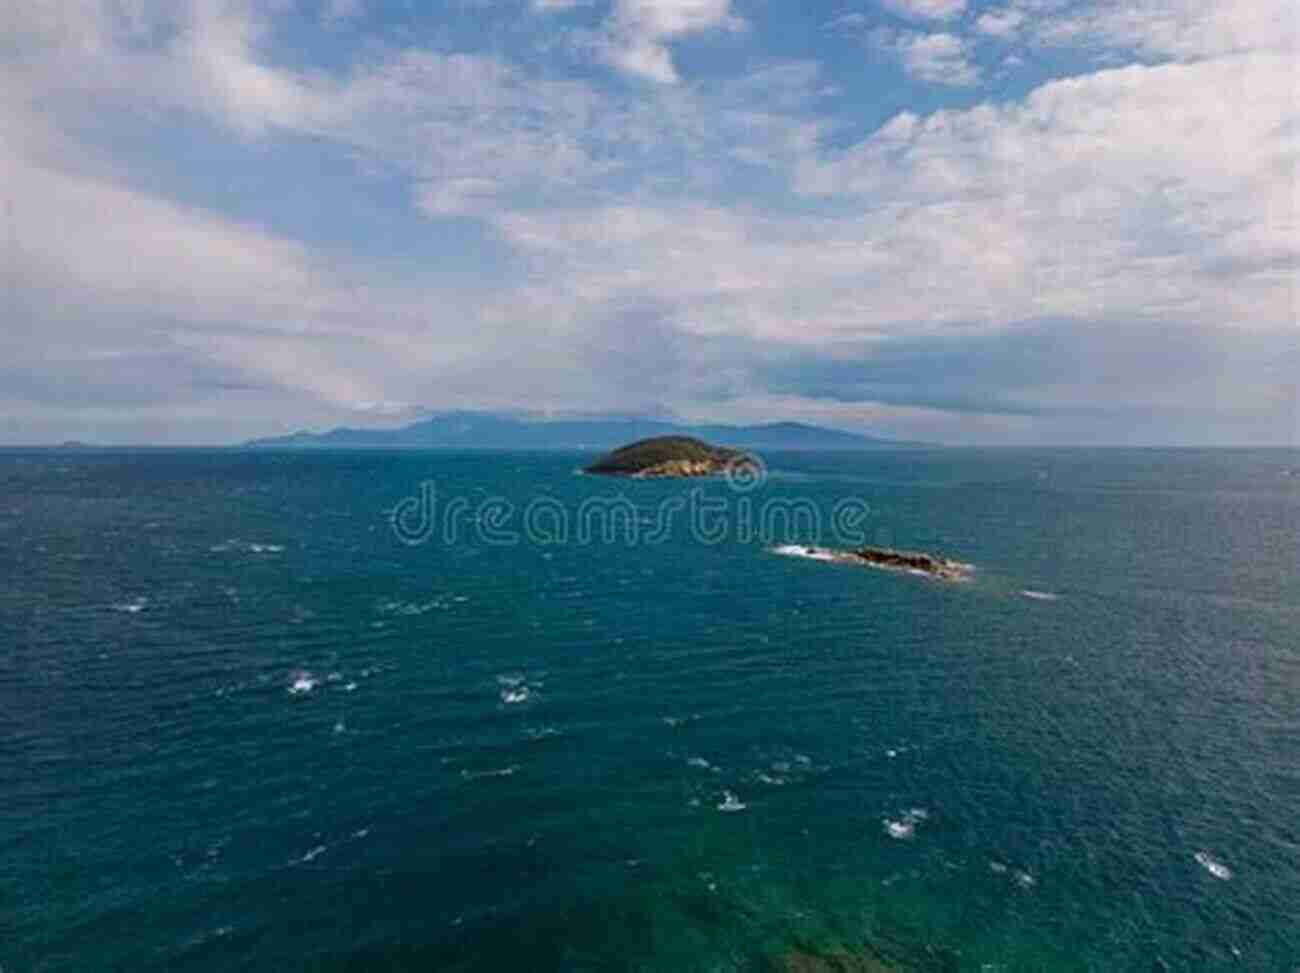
666, 457
912, 562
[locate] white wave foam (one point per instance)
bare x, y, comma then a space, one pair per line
132, 607
902, 830
248, 547
303, 683
803, 550
1213, 865
482, 774
411, 609
311, 855
731, 803
904, 827
699, 763
513, 697
1040, 595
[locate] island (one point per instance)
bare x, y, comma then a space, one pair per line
911, 562
667, 457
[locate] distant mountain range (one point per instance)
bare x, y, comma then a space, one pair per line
487, 430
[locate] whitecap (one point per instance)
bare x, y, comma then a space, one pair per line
904, 828
132, 607
1025, 880
250, 548
699, 763
480, 774
803, 550
731, 803
1213, 866
303, 682
1040, 595
410, 608
512, 697
311, 855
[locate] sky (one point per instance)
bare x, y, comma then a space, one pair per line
962, 221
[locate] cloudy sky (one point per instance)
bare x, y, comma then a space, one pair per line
970, 221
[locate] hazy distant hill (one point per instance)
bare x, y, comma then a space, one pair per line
486, 430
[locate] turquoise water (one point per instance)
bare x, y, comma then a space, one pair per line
246, 727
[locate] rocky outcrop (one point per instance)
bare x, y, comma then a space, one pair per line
939, 567
912, 562
679, 468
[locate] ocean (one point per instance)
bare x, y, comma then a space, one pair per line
463, 711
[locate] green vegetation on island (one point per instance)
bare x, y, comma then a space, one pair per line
667, 456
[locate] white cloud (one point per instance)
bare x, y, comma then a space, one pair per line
336, 13
456, 196
1183, 29
1105, 195
201, 55
1002, 23
925, 9
479, 135
1157, 195
937, 58
850, 22
1102, 198
116, 276
639, 31
121, 249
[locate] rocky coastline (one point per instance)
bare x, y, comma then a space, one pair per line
888, 559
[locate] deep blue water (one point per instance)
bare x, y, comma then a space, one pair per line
246, 727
